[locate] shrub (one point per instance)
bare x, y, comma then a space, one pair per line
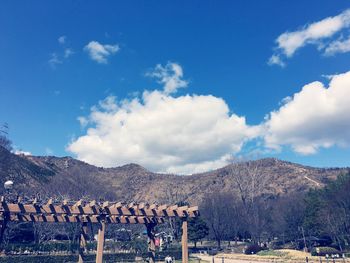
323, 251
276, 244
252, 249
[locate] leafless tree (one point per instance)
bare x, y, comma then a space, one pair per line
251, 183
46, 231
217, 210
4, 140
173, 195
79, 186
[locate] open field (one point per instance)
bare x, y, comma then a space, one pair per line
282, 255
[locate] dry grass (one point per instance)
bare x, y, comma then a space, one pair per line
296, 254
193, 261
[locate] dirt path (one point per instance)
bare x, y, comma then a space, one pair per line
226, 260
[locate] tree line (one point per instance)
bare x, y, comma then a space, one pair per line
300, 219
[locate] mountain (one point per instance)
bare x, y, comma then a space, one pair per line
22, 170
50, 176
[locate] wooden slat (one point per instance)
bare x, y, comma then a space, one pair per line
78, 204
88, 210
91, 219
107, 208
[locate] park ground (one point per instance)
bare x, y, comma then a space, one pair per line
277, 256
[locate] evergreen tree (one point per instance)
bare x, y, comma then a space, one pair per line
197, 230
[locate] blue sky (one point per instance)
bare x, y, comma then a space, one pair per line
49, 78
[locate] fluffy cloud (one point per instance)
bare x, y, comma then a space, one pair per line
162, 132
289, 42
338, 46
316, 117
99, 52
195, 133
170, 76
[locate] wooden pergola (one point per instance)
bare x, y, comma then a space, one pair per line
100, 213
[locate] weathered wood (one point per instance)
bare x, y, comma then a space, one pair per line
87, 219
184, 241
100, 242
151, 243
94, 209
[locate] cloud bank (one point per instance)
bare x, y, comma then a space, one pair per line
195, 133
316, 33
183, 134
316, 117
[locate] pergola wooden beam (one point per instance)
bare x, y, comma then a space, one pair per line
85, 219
94, 209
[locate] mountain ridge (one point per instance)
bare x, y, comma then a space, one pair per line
67, 176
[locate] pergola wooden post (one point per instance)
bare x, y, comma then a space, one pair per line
184, 240
82, 242
100, 242
151, 243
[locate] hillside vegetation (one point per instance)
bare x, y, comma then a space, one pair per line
51, 175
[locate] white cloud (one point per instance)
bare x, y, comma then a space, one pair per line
57, 58
276, 60
99, 52
338, 46
315, 33
316, 117
195, 133
62, 39
20, 152
54, 60
184, 134
83, 121
68, 52
170, 76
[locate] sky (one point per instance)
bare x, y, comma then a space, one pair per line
177, 86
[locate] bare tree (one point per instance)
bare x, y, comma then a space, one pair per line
173, 195
288, 215
46, 231
79, 186
217, 210
4, 140
251, 183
